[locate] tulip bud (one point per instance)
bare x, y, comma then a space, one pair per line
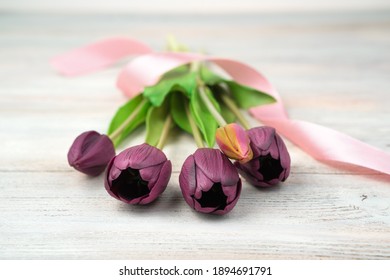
91, 152
234, 142
271, 160
209, 182
138, 175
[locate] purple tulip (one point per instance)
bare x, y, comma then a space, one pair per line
271, 160
209, 182
91, 152
138, 175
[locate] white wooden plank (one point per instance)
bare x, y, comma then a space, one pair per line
190, 7
331, 68
66, 215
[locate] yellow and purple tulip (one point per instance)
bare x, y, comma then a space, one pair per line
234, 142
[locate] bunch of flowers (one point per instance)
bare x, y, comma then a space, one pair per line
206, 105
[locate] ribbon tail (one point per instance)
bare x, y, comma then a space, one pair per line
97, 56
328, 145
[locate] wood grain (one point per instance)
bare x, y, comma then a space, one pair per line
332, 68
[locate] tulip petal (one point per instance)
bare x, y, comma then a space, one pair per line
208, 160
108, 180
139, 157
229, 175
216, 166
230, 192
99, 149
161, 184
91, 152
231, 204
80, 145
199, 208
114, 170
238, 137
203, 183
151, 174
285, 159
273, 150
226, 141
261, 138
145, 156
233, 141
187, 180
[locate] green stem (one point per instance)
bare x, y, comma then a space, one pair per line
164, 133
210, 106
195, 66
130, 118
236, 111
172, 44
194, 128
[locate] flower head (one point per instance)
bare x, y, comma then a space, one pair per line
271, 160
233, 141
91, 152
209, 182
138, 175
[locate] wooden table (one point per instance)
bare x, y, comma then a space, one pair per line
331, 68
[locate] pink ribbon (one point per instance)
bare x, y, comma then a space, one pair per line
322, 143
97, 55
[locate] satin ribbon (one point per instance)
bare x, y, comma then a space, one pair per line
320, 142
97, 55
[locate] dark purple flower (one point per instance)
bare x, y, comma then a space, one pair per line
271, 160
209, 182
138, 175
91, 152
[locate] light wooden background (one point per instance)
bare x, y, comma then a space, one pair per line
331, 64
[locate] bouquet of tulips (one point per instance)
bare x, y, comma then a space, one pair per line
206, 105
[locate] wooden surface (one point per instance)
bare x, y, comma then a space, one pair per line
331, 68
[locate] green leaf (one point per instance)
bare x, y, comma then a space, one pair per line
123, 113
178, 104
180, 70
209, 77
184, 82
155, 120
226, 113
203, 118
247, 97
